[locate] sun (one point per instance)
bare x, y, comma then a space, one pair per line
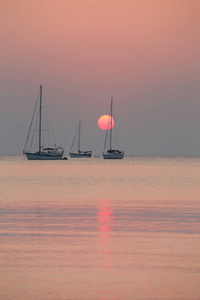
106, 122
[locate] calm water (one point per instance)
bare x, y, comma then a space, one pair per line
97, 229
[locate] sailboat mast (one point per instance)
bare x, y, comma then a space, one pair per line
40, 120
111, 124
79, 136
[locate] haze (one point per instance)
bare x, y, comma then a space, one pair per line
143, 53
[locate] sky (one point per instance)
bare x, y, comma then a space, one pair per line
143, 53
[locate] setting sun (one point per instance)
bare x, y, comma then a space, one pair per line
106, 122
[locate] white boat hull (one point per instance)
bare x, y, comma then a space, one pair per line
35, 156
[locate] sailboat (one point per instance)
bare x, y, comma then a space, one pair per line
43, 153
111, 153
79, 153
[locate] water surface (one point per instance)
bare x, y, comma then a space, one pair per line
100, 229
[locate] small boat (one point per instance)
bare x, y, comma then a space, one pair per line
79, 153
111, 153
43, 153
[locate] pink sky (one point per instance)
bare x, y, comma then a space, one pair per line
144, 53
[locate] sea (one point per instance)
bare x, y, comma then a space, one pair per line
88, 228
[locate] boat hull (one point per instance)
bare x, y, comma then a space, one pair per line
35, 156
113, 156
77, 155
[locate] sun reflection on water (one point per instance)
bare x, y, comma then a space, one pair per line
106, 223
105, 218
